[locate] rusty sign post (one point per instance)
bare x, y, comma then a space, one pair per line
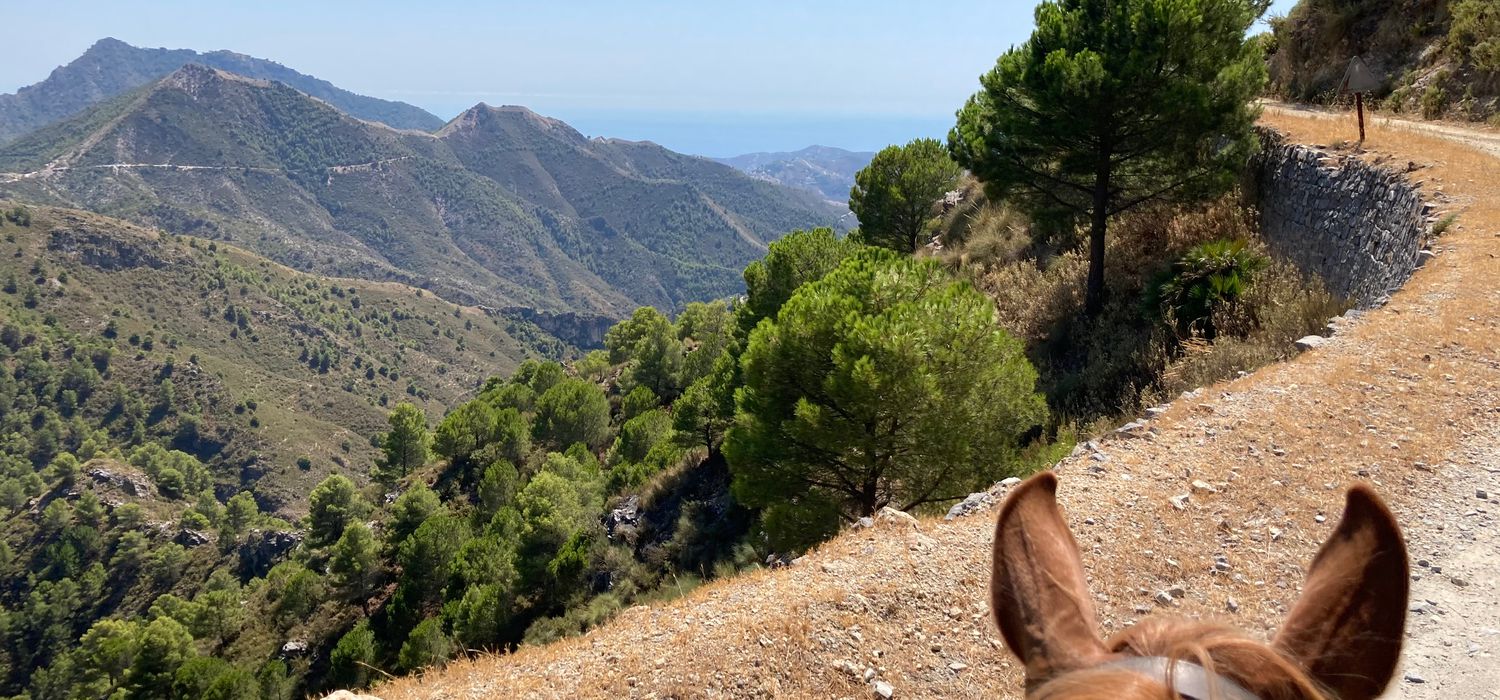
1359, 80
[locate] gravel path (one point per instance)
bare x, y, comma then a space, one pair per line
1453, 631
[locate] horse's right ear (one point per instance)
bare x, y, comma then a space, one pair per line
1347, 626
1039, 593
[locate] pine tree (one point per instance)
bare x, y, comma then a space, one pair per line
406, 444
1112, 104
884, 382
355, 565
894, 195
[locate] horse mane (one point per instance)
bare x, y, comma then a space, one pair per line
1219, 649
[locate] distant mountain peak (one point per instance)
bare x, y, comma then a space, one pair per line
109, 42
192, 78
111, 67
826, 170
485, 118
502, 207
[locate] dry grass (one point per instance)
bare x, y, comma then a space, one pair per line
1390, 400
1127, 358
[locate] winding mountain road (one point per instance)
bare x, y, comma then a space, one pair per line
52, 170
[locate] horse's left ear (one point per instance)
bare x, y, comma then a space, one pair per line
1039, 592
1346, 628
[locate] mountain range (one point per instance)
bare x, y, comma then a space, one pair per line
824, 170
500, 207
112, 67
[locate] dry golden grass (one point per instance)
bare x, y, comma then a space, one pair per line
1392, 400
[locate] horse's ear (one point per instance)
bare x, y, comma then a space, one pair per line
1347, 626
1039, 593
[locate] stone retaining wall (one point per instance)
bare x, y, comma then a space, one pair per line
1358, 226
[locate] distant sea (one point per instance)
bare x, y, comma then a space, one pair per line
725, 134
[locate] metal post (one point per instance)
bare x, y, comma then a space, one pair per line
1359, 106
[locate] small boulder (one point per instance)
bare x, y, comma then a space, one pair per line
193, 538
970, 505
1310, 342
891, 515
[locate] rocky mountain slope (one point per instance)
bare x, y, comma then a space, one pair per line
501, 207
112, 67
278, 378
825, 170
1433, 58
1402, 397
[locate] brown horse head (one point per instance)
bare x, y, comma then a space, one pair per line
1341, 640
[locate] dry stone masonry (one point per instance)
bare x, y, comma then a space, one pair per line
1358, 226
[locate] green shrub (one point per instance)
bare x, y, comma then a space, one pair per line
349, 664
1434, 100
427, 645
1476, 25
1282, 306
1206, 279
1444, 224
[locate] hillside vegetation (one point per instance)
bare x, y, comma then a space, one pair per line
116, 334
111, 67
1259, 463
557, 496
1435, 58
502, 207
1195, 298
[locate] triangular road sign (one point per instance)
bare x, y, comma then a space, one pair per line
1358, 78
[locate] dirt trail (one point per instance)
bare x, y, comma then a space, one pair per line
1407, 397
52, 170
1473, 136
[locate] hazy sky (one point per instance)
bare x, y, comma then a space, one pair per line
704, 77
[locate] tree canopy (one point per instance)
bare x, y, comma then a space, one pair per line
405, 445
796, 259
333, 504
894, 195
1115, 103
885, 382
572, 411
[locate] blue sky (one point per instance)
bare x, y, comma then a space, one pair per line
702, 77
